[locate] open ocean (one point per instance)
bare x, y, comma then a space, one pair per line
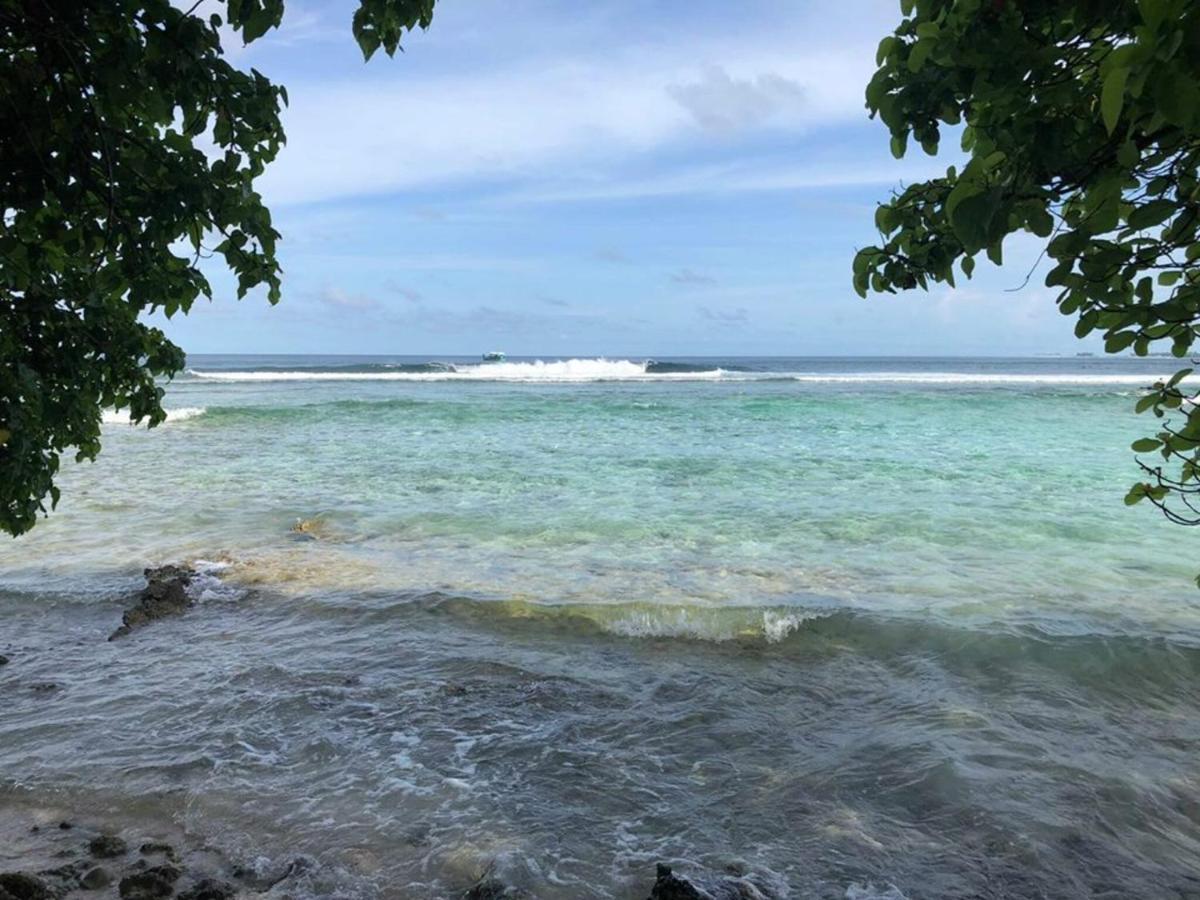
852, 628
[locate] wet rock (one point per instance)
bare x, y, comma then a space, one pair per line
166, 872
165, 595
3, 660
307, 529
21, 886
95, 878
64, 877
418, 835
107, 846
494, 889
65, 826
264, 881
209, 889
669, 886
152, 848
155, 883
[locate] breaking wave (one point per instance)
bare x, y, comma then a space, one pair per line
565, 371
121, 416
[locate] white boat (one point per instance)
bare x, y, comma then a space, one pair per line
494, 356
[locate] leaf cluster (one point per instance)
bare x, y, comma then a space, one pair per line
1081, 122
129, 151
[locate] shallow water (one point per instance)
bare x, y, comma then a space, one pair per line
864, 628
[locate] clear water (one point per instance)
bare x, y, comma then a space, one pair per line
866, 627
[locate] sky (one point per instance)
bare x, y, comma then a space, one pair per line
614, 178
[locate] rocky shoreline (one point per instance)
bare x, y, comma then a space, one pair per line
69, 860
61, 859
66, 859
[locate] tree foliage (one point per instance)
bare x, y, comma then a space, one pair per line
1081, 121
129, 149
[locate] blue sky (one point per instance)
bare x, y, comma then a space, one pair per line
612, 178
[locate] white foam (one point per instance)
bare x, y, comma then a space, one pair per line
207, 586
707, 624
121, 416
1064, 378
777, 626
586, 370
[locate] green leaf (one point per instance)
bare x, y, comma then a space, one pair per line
885, 48
1119, 342
1178, 377
1146, 445
1152, 11
919, 54
1145, 402
972, 213
1136, 494
1153, 213
1112, 97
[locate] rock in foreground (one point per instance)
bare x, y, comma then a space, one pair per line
669, 886
165, 595
19, 886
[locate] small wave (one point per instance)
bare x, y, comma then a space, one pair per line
121, 416
207, 584
643, 620
654, 367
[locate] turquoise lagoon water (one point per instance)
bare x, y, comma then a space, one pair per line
853, 627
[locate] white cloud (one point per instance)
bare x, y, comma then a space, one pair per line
733, 318
744, 176
692, 278
721, 103
344, 300
572, 118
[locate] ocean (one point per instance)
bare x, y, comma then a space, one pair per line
844, 628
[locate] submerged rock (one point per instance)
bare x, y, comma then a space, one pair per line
152, 884
494, 889
165, 595
669, 886
150, 848
21, 886
263, 881
107, 846
65, 877
3, 660
95, 878
209, 889
306, 527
